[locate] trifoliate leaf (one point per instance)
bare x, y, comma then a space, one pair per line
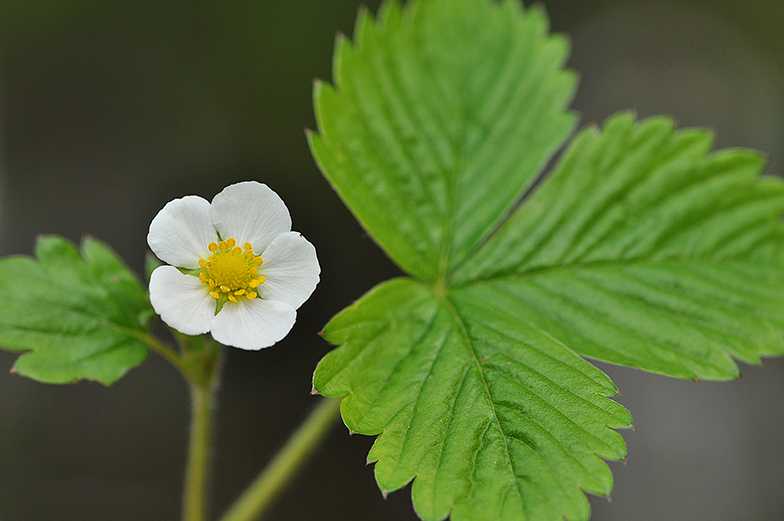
76, 313
641, 248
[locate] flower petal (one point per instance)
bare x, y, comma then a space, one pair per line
291, 269
250, 212
253, 324
182, 301
181, 231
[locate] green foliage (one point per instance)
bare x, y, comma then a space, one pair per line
641, 248
77, 314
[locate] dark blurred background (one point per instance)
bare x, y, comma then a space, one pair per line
109, 109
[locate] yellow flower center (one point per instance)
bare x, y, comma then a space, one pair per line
230, 271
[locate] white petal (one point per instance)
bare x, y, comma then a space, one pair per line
291, 269
182, 301
253, 324
182, 230
250, 212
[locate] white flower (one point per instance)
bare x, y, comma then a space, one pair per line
242, 271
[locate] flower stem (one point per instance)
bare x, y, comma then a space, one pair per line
262, 492
203, 376
194, 507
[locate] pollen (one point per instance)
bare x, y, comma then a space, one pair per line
231, 271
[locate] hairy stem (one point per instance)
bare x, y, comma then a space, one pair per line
260, 494
194, 507
202, 361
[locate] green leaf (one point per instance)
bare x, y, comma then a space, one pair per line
494, 417
442, 117
641, 248
77, 314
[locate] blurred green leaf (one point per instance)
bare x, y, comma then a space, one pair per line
76, 313
641, 248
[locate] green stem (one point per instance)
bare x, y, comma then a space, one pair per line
194, 505
262, 492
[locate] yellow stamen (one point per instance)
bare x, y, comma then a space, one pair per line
231, 271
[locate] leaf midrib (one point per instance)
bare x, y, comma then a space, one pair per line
600, 264
467, 339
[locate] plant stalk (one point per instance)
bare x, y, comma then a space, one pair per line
203, 379
260, 494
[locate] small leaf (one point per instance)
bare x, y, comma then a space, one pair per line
74, 312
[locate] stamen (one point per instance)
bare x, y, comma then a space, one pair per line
231, 271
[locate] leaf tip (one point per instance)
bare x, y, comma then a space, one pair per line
351, 432
384, 494
13, 370
631, 426
314, 392
320, 333
609, 498
696, 380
